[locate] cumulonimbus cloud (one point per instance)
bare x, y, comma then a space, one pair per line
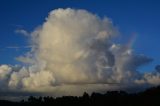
73, 52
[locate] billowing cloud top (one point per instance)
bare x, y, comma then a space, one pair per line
72, 52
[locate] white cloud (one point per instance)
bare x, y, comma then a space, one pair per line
72, 52
4, 71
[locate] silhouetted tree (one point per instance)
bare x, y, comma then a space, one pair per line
149, 97
85, 96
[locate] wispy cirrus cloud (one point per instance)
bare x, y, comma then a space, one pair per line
22, 31
18, 47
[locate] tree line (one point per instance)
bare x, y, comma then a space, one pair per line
149, 97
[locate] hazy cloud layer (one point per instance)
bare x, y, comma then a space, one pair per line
72, 52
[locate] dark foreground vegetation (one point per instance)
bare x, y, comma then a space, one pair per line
149, 97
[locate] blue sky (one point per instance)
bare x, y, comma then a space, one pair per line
129, 16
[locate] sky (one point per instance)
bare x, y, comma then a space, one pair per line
129, 16
59, 45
